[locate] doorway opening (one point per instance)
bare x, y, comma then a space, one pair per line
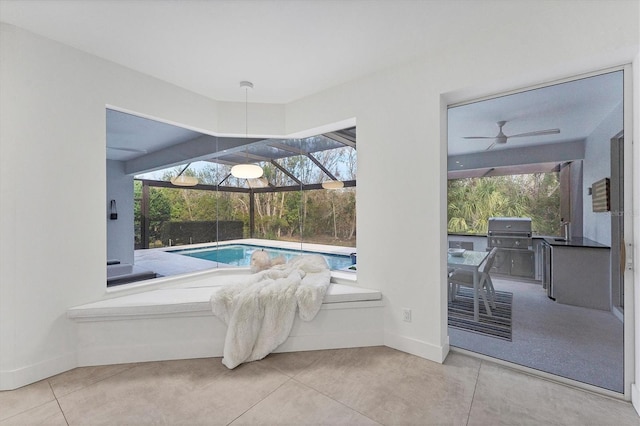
554, 290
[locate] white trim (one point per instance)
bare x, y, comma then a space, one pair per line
631, 168
633, 323
541, 374
416, 347
347, 339
455, 98
25, 375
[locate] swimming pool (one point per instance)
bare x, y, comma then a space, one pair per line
240, 255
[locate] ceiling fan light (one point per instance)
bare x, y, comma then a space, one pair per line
183, 180
333, 184
246, 171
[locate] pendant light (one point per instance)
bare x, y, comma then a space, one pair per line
246, 170
183, 180
333, 184
257, 183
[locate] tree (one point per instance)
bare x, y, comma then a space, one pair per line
316, 216
471, 202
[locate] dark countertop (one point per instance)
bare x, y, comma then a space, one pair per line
573, 242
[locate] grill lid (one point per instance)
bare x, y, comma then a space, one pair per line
510, 225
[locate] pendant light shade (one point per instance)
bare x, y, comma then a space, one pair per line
247, 170
258, 183
183, 180
333, 184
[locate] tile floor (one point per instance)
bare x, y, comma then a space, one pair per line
365, 386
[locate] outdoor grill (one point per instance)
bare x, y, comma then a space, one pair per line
512, 237
509, 233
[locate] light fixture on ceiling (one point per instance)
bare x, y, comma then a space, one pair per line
333, 184
183, 180
246, 170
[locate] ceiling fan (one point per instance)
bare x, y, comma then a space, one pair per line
501, 138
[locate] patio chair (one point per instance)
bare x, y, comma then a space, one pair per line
460, 277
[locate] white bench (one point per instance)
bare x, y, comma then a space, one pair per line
177, 323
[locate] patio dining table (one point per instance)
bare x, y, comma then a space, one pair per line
470, 261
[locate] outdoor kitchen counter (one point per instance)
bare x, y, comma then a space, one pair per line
574, 242
579, 273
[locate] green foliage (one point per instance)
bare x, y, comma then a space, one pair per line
159, 212
320, 216
471, 202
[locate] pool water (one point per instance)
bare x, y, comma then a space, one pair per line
240, 255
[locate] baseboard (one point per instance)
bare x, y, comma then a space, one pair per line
416, 347
635, 397
149, 352
13, 379
332, 341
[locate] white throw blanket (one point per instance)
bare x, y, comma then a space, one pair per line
259, 309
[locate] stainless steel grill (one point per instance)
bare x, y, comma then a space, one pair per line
509, 233
512, 237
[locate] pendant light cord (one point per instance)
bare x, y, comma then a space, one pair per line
246, 112
182, 171
246, 123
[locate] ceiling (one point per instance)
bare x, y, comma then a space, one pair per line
301, 48
576, 108
289, 49
130, 136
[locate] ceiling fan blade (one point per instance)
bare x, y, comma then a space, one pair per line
536, 133
478, 137
490, 146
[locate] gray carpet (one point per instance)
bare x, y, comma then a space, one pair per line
569, 341
497, 325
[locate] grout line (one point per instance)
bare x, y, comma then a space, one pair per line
289, 379
95, 382
473, 396
336, 400
302, 370
262, 399
58, 402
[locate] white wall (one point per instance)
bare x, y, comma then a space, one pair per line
120, 231
399, 129
52, 110
597, 165
53, 189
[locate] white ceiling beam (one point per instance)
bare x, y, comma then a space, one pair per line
340, 138
201, 148
547, 153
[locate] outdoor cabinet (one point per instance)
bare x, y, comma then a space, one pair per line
580, 276
515, 263
502, 263
523, 263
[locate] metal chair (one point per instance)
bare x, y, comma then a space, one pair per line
460, 277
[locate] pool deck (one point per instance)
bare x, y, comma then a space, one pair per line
165, 263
